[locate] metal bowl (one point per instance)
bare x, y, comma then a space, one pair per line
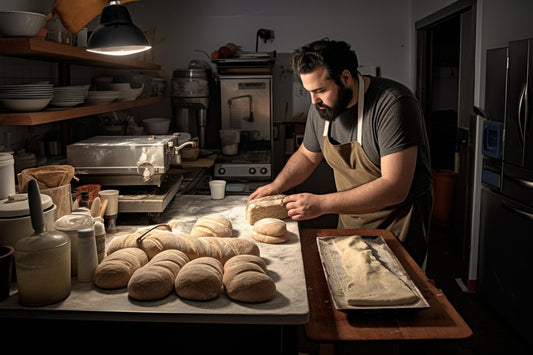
20, 23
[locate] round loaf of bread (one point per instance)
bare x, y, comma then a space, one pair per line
200, 279
155, 280
245, 279
213, 225
270, 230
116, 269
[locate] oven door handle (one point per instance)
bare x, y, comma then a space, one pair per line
518, 211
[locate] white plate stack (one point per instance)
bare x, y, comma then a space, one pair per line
26, 97
69, 96
101, 97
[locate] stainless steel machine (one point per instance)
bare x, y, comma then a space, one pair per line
246, 105
137, 165
190, 96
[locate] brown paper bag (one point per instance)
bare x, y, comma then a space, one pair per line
48, 176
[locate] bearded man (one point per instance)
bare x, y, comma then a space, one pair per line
371, 131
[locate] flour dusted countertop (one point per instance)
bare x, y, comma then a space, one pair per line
284, 263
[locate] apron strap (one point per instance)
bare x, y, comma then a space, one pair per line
360, 111
360, 108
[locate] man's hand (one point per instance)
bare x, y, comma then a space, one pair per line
303, 206
265, 190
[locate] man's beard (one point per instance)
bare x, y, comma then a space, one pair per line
343, 99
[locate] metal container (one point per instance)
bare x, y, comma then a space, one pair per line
42, 260
190, 101
123, 160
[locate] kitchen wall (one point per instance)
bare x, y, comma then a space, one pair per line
381, 31
377, 30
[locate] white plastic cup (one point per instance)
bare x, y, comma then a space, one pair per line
217, 188
112, 201
7, 175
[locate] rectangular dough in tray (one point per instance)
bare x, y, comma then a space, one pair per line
336, 276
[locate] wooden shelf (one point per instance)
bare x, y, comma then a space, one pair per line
36, 118
38, 48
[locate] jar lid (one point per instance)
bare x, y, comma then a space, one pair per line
16, 205
6, 159
72, 222
43, 241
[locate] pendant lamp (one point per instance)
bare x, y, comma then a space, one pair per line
116, 34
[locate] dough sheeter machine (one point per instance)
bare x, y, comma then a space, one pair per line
137, 166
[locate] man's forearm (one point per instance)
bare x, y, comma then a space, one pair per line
298, 168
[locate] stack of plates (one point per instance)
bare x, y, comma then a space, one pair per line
26, 97
68, 96
101, 97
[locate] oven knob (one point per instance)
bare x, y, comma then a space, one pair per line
263, 171
221, 171
252, 171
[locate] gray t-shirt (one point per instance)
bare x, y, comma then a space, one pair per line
392, 122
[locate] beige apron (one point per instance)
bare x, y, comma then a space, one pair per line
353, 168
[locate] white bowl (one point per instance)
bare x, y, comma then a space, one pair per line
25, 105
156, 125
20, 23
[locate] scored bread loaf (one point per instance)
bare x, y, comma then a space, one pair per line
115, 270
155, 280
270, 230
213, 225
245, 279
267, 206
200, 279
158, 240
154, 242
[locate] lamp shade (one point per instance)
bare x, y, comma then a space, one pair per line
116, 34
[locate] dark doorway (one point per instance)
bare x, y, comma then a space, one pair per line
445, 77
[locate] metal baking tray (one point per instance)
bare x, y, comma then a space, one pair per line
336, 276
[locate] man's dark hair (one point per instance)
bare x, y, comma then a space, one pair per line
335, 55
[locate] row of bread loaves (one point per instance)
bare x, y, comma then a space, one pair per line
157, 240
243, 277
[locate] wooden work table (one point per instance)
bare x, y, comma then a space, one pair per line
328, 325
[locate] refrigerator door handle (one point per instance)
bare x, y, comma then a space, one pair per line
526, 110
520, 104
518, 211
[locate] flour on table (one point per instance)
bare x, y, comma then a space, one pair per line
369, 283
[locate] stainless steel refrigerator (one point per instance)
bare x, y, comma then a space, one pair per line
506, 232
